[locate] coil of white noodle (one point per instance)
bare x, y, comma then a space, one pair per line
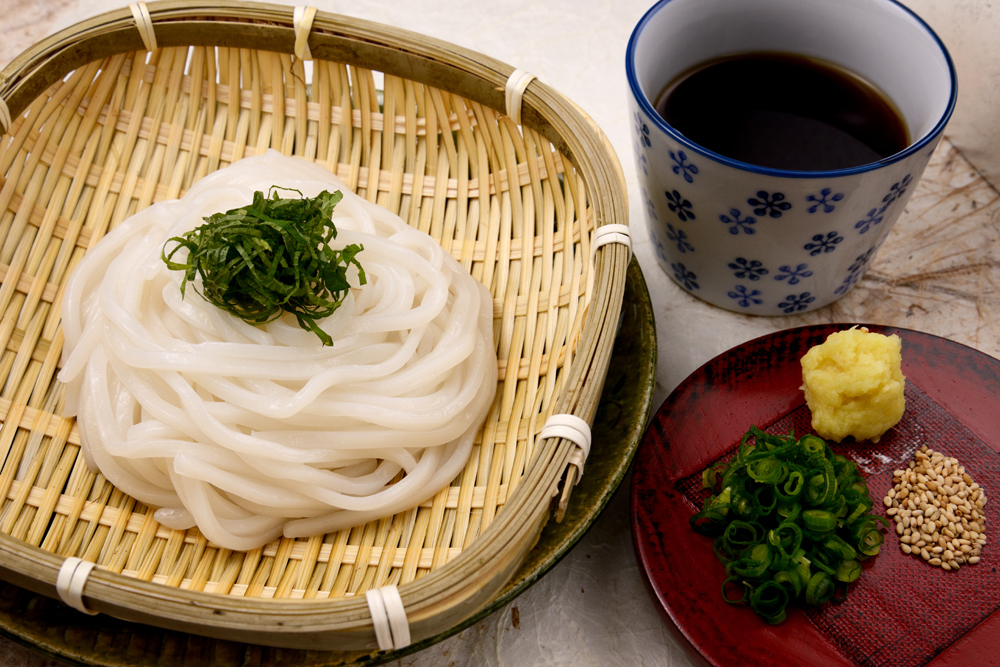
249, 432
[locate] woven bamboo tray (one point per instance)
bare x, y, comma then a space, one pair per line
52, 628
102, 128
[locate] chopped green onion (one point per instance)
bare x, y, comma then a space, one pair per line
818, 520
769, 601
867, 534
790, 580
821, 560
708, 475
743, 590
840, 547
812, 446
754, 564
821, 487
767, 471
743, 534
710, 521
747, 508
819, 589
848, 571
790, 512
794, 485
799, 523
786, 537
766, 500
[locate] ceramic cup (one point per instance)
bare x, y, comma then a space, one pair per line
769, 241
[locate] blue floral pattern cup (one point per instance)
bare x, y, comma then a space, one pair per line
769, 241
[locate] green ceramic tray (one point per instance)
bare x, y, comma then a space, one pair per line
53, 629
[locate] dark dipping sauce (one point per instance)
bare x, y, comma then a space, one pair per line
783, 111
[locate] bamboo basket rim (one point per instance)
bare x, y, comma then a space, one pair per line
227, 23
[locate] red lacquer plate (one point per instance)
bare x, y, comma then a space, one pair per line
901, 612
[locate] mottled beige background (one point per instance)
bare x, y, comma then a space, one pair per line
971, 29
937, 272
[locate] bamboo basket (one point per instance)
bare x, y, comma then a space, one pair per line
102, 128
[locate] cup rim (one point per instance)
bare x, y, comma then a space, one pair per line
647, 107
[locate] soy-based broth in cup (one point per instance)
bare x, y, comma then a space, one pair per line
778, 141
795, 112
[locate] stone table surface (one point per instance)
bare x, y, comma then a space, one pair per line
938, 272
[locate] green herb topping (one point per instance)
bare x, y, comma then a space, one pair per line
790, 520
268, 257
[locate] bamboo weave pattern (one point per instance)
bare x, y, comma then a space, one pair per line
115, 136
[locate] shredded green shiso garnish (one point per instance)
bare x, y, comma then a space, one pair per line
270, 257
790, 519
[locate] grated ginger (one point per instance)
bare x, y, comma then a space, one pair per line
853, 385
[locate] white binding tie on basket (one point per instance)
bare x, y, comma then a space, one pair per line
302, 21
392, 629
517, 82
144, 23
71, 580
613, 234
4, 116
574, 429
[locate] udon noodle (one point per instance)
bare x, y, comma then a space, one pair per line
253, 432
